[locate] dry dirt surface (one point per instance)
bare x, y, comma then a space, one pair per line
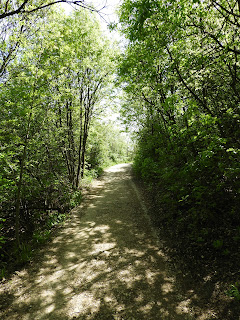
105, 263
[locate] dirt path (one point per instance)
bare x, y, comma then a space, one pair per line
104, 264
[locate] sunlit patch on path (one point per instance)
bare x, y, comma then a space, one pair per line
104, 264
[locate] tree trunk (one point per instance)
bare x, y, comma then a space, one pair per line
19, 186
18, 198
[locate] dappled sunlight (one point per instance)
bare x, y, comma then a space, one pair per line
183, 306
118, 168
104, 264
102, 247
83, 304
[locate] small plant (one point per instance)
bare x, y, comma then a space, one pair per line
200, 239
76, 199
226, 252
41, 236
218, 244
55, 219
3, 272
24, 253
2, 239
234, 292
236, 238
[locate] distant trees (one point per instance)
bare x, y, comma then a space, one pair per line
107, 145
181, 77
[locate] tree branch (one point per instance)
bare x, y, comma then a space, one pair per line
21, 9
212, 36
226, 10
193, 93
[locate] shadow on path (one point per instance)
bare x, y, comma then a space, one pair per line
104, 264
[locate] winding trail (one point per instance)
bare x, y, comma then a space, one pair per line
104, 264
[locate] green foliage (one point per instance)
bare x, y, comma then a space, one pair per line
107, 146
3, 272
41, 237
218, 244
76, 198
51, 90
2, 238
234, 291
236, 236
24, 253
55, 218
180, 76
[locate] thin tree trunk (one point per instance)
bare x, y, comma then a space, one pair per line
18, 199
19, 185
80, 146
85, 135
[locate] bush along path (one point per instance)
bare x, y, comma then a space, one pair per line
105, 263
